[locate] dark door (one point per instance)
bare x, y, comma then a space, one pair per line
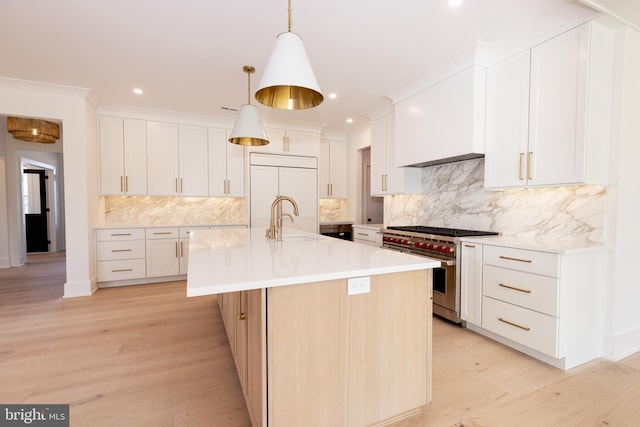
36, 211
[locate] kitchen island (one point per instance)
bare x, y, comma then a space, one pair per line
323, 331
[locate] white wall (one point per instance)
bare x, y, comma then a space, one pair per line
622, 316
78, 117
359, 138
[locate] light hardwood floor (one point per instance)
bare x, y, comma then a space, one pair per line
149, 356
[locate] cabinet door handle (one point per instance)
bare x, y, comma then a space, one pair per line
176, 185
520, 176
524, 328
126, 184
516, 259
122, 270
121, 250
155, 233
181, 249
363, 234
241, 314
177, 250
529, 161
181, 190
331, 189
526, 291
382, 185
120, 234
466, 245
121, 184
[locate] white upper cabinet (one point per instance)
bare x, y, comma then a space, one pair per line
332, 165
162, 159
226, 165
507, 129
193, 159
296, 143
443, 122
548, 112
123, 156
386, 178
177, 159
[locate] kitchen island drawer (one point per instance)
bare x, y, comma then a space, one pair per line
111, 234
532, 291
537, 262
527, 327
123, 249
121, 270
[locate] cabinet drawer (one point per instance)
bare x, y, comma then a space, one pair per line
162, 233
539, 293
125, 249
527, 327
537, 262
120, 234
366, 234
184, 231
121, 270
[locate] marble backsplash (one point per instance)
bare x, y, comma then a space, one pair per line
332, 210
157, 211
453, 196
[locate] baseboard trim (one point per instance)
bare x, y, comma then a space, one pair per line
78, 289
618, 347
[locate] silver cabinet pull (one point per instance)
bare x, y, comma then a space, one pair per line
120, 234
121, 250
529, 157
466, 245
122, 270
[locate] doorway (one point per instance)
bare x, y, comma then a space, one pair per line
372, 207
36, 211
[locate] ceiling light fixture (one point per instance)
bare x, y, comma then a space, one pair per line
248, 128
33, 130
138, 91
289, 82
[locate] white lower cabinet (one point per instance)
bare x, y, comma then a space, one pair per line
471, 283
163, 252
130, 256
367, 235
543, 303
120, 254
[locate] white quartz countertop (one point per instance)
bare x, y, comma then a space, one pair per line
229, 260
560, 246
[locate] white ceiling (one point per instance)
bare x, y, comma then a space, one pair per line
188, 55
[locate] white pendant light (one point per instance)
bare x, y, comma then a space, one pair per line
289, 82
248, 128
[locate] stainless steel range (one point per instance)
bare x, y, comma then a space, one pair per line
438, 243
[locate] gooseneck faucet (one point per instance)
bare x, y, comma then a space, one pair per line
275, 232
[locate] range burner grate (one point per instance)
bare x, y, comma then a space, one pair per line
442, 231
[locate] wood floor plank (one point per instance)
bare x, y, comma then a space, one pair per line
149, 356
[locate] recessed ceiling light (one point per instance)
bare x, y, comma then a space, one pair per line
455, 3
349, 120
333, 96
137, 91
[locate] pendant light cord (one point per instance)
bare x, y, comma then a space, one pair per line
249, 88
289, 16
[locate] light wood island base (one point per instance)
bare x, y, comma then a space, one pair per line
310, 354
